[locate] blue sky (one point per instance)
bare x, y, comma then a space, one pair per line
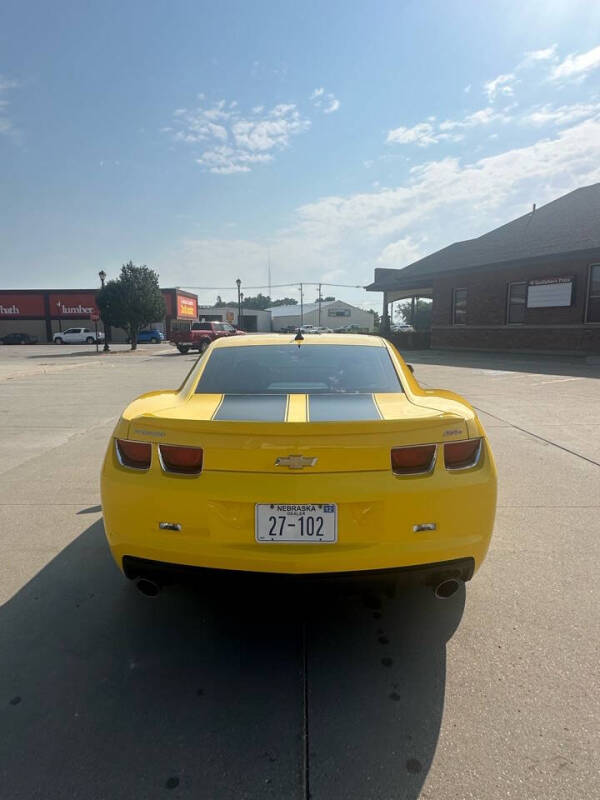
204, 138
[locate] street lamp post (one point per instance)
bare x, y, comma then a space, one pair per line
239, 285
106, 348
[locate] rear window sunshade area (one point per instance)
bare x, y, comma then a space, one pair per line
308, 369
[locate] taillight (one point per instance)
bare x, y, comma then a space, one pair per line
462, 455
413, 460
136, 455
184, 460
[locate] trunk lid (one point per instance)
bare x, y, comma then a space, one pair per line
280, 430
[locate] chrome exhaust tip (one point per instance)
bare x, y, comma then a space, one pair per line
446, 588
148, 587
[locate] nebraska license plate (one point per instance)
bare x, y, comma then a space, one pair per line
309, 523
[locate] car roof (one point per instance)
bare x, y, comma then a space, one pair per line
284, 338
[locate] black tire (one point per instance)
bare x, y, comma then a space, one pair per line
203, 346
183, 348
90, 340
58, 340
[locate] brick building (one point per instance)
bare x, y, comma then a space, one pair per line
531, 285
43, 312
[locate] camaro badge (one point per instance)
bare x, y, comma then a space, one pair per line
295, 462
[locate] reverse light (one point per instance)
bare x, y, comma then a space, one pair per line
413, 460
182, 460
462, 455
135, 455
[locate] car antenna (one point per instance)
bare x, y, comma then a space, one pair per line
298, 337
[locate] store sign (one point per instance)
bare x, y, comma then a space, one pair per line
187, 307
73, 305
21, 305
550, 292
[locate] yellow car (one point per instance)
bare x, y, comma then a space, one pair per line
286, 455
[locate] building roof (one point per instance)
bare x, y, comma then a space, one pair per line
294, 310
570, 223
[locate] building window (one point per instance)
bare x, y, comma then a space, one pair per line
593, 299
517, 301
459, 307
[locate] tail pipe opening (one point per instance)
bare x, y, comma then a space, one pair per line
148, 587
446, 588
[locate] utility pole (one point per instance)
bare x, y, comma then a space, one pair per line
269, 272
319, 305
239, 320
301, 306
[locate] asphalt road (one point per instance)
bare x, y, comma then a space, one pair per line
237, 690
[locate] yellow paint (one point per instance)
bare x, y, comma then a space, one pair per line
297, 408
376, 509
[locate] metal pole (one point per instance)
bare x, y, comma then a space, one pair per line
239, 283
319, 305
301, 306
106, 348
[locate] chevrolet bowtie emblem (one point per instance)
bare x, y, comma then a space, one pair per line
295, 462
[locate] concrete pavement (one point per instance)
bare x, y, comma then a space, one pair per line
237, 691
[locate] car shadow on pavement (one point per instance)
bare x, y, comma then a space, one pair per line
215, 691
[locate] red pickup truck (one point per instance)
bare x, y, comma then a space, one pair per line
199, 335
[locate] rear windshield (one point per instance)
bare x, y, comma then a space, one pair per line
308, 369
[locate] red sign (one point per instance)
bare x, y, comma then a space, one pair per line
21, 305
77, 305
187, 307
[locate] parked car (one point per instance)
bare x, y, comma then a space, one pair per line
77, 336
402, 328
350, 329
329, 444
152, 336
200, 334
18, 338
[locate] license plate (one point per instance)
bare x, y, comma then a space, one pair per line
308, 523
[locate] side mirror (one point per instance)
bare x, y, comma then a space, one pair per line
411, 368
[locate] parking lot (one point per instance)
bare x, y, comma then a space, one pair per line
225, 692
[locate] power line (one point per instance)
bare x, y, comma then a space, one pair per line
273, 286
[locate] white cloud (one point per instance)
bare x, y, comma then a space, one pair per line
327, 102
231, 142
536, 56
401, 252
500, 85
422, 134
561, 115
483, 116
576, 65
442, 201
467, 89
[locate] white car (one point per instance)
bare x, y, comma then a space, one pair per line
77, 336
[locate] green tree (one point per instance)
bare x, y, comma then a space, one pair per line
285, 301
422, 319
260, 302
132, 301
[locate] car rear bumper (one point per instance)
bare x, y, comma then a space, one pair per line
377, 519
421, 574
